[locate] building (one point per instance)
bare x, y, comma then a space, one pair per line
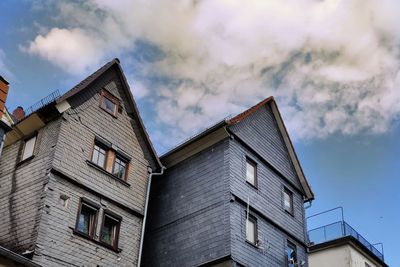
338, 244
74, 175
232, 195
4, 124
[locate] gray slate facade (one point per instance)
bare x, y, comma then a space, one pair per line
40, 197
197, 210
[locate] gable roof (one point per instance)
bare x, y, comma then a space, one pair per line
91, 78
169, 157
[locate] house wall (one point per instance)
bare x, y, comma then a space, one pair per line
267, 199
22, 188
85, 120
59, 246
188, 220
260, 131
344, 255
81, 123
258, 138
332, 257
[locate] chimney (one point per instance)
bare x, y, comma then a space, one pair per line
18, 114
3, 95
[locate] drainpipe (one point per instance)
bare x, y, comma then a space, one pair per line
145, 211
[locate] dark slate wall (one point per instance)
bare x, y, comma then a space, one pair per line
271, 252
188, 221
261, 132
268, 196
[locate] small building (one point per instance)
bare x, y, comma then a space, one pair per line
339, 245
4, 118
74, 175
232, 195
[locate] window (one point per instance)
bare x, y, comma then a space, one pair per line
108, 102
291, 254
288, 200
251, 230
111, 161
367, 265
99, 155
119, 168
110, 229
29, 146
251, 172
87, 217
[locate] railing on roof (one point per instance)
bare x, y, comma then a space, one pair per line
340, 229
43, 102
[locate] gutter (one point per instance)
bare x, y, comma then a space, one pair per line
145, 211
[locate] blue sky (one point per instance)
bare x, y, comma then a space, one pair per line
333, 68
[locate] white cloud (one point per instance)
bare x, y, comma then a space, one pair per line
333, 65
4, 70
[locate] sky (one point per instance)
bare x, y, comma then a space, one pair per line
332, 65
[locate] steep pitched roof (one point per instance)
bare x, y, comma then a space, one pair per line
91, 78
240, 117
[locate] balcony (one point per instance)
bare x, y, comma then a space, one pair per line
337, 230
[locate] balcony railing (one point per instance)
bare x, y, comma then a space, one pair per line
43, 102
340, 229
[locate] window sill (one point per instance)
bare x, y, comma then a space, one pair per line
24, 161
290, 213
252, 185
107, 173
251, 244
114, 115
117, 250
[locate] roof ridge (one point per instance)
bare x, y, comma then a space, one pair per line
249, 111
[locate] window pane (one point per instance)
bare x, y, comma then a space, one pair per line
109, 231
29, 146
250, 231
86, 219
287, 201
108, 105
99, 156
250, 173
291, 255
119, 168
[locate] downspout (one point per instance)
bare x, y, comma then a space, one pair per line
145, 211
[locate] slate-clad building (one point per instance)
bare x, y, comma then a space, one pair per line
232, 195
74, 175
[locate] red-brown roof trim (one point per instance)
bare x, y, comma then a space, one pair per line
248, 112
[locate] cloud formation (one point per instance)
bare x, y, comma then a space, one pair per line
333, 65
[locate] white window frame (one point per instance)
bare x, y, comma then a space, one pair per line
29, 147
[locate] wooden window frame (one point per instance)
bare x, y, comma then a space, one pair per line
105, 94
253, 219
110, 158
93, 226
291, 245
254, 164
125, 160
290, 194
116, 217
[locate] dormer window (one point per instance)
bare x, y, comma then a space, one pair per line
109, 103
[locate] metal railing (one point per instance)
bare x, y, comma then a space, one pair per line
340, 229
43, 102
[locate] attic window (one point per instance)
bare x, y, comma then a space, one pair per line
109, 103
